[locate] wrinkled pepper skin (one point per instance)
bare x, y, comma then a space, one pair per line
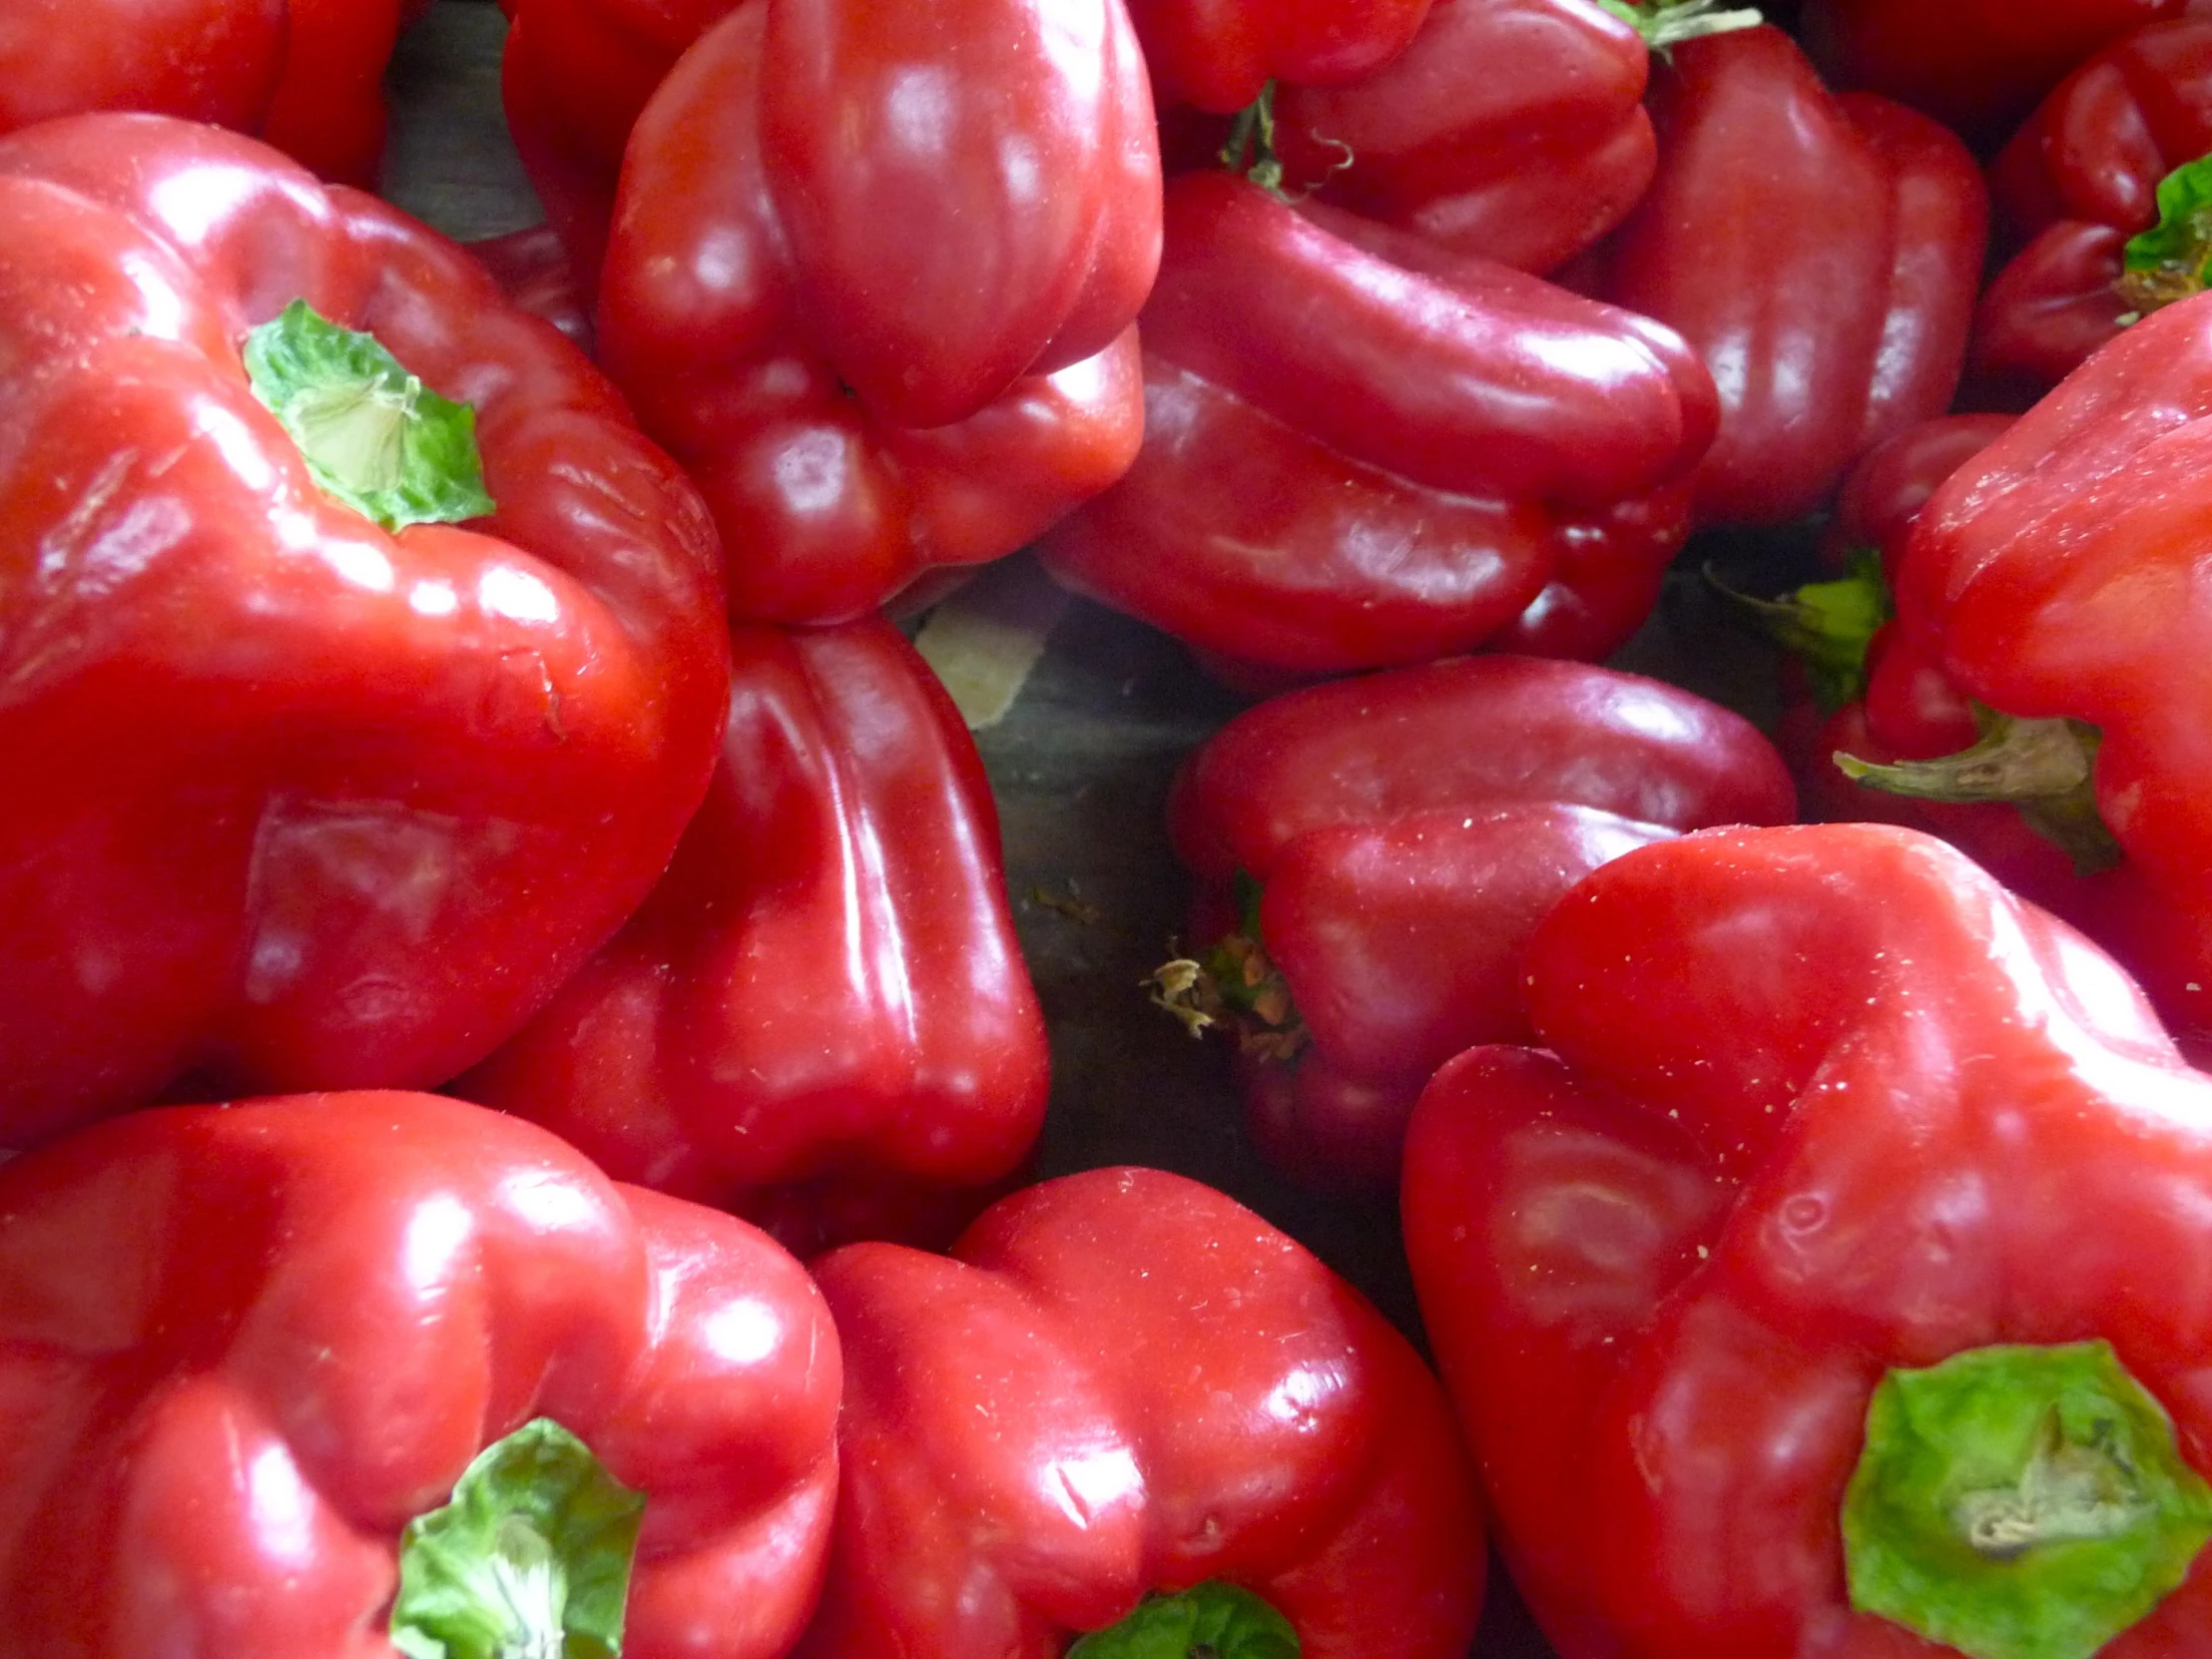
317, 805
242, 1346
1821, 254
797, 311
1811, 1103
1218, 55
306, 74
2050, 577
2076, 182
1510, 129
1405, 831
1977, 65
820, 1018
1121, 1382
1363, 449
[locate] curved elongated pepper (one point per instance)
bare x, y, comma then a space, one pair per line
1363, 449
820, 1018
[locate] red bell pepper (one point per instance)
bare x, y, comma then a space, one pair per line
878, 354
533, 270
1365, 449
1837, 1236
1976, 63
1123, 1385
1220, 55
282, 1375
1870, 692
1839, 630
2081, 181
820, 1018
1821, 254
574, 78
2048, 582
1370, 857
307, 75
1511, 129
317, 801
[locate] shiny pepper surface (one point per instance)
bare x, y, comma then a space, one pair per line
1124, 1381
1821, 254
2078, 181
306, 74
2051, 580
317, 805
1394, 839
1816, 1108
820, 1018
874, 286
244, 1347
1219, 56
1365, 449
1510, 129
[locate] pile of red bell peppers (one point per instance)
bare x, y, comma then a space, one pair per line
523, 1107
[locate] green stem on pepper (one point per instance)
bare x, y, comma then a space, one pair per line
2173, 259
2020, 1503
374, 436
1208, 1621
1669, 23
531, 1559
2044, 768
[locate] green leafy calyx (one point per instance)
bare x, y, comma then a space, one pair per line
1209, 1621
531, 1559
374, 436
2173, 259
2020, 1503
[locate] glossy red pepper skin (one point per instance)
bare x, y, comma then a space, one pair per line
2049, 577
534, 271
2078, 181
317, 805
245, 1345
1821, 255
1977, 65
574, 77
1398, 482
1405, 831
307, 75
1219, 56
1510, 129
854, 412
1122, 1382
820, 1018
1912, 710
1736, 1190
